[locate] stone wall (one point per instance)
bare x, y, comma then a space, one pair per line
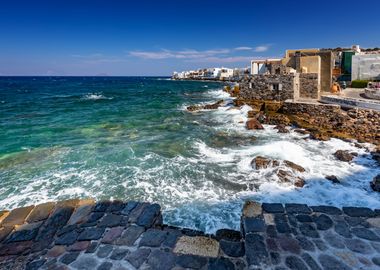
268, 87
309, 86
311, 109
85, 234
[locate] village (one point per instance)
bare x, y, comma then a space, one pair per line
343, 76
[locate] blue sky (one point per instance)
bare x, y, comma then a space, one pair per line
115, 37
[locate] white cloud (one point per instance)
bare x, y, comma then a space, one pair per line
243, 48
263, 48
183, 54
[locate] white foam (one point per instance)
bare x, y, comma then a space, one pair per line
95, 96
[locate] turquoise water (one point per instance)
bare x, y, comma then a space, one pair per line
132, 139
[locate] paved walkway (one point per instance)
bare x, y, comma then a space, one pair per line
81, 234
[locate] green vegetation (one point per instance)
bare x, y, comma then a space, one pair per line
359, 84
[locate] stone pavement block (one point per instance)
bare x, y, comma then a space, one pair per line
191, 261
282, 224
330, 263
110, 220
255, 250
374, 222
129, 207
252, 209
112, 235
68, 238
254, 225
231, 248
358, 212
273, 207
149, 215
365, 234
309, 230
104, 251
119, 253
56, 251
40, 212
295, 263
292, 208
91, 234
138, 257
161, 260
81, 214
220, 264
289, 244
323, 222
24, 232
116, 206
85, 262
136, 212
34, 265
79, 246
17, 216
330, 210
130, 235
153, 238
102, 206
310, 262
228, 234
197, 245
358, 246
15, 248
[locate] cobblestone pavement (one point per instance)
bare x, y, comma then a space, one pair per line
82, 234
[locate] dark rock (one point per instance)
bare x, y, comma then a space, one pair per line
227, 234
67, 238
25, 233
260, 162
138, 257
319, 136
281, 128
323, 222
129, 207
171, 239
119, 253
91, 234
376, 260
365, 234
289, 244
304, 218
273, 207
288, 177
69, 257
297, 208
212, 106
255, 249
191, 261
330, 263
358, 246
275, 258
333, 179
147, 218
342, 228
309, 230
232, 249
161, 260
110, 220
295, 263
271, 244
310, 262
105, 266
253, 124
116, 206
358, 212
330, 210
334, 240
153, 238
294, 166
253, 225
92, 247
102, 206
95, 217
305, 243
220, 264
34, 265
104, 251
281, 222
320, 244
130, 235
344, 155
375, 184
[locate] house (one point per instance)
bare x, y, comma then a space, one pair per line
366, 67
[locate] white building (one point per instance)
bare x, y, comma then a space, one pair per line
226, 73
260, 66
365, 67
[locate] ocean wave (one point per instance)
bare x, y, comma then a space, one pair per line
95, 96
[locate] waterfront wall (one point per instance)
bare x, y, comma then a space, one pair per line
309, 85
83, 234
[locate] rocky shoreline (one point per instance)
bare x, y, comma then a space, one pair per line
84, 234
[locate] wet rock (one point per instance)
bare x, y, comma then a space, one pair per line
375, 184
333, 179
301, 131
319, 136
260, 162
253, 124
294, 166
228, 234
282, 128
295, 263
212, 106
344, 155
288, 177
191, 261
137, 258
220, 264
273, 207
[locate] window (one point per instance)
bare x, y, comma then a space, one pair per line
276, 87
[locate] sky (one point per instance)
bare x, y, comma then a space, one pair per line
155, 38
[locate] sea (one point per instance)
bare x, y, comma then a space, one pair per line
131, 138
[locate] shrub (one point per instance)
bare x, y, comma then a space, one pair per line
359, 84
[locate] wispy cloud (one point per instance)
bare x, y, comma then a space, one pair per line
215, 55
98, 58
